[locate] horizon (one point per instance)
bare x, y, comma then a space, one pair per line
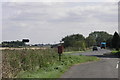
50, 43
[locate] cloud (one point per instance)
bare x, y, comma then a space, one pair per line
39, 11
49, 22
60, 0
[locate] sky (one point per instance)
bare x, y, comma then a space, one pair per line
49, 22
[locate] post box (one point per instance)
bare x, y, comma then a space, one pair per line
60, 49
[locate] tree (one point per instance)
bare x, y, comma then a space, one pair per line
80, 45
115, 41
90, 41
13, 43
76, 41
109, 42
100, 36
69, 41
119, 42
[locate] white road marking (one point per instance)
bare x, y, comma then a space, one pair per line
117, 64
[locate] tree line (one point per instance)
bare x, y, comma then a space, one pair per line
12, 44
79, 42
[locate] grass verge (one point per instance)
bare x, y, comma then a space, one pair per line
70, 52
116, 53
58, 68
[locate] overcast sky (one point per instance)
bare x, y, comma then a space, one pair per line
49, 22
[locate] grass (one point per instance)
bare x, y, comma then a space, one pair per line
73, 52
58, 68
114, 51
38, 63
70, 52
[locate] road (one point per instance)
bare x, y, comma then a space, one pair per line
105, 68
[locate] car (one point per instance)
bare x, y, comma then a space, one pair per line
95, 48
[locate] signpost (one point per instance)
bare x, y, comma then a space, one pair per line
60, 51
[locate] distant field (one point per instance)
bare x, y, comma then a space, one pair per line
21, 48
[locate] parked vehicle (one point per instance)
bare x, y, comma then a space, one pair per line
95, 48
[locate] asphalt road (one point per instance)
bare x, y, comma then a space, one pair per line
105, 68
94, 53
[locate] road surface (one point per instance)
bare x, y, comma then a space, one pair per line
105, 68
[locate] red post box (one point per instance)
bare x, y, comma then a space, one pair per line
60, 49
